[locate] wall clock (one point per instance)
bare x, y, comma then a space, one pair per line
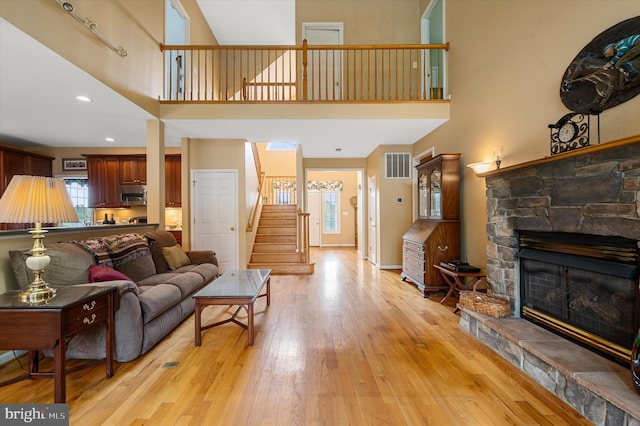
569, 133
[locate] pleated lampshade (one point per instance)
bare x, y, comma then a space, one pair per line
35, 199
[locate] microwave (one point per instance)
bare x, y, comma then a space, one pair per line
133, 195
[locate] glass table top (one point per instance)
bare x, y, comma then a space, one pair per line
236, 283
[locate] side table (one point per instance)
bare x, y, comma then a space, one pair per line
456, 283
48, 325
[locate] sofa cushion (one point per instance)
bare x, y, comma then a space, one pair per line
208, 271
99, 273
157, 240
187, 282
69, 265
131, 255
157, 299
175, 257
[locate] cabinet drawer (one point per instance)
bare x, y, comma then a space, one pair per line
412, 245
415, 274
86, 313
413, 261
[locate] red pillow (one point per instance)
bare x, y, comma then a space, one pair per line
103, 273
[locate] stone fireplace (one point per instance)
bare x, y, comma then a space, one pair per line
585, 198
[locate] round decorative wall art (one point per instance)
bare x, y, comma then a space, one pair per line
606, 72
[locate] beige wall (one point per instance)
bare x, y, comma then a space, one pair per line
365, 21
229, 154
393, 217
277, 163
505, 65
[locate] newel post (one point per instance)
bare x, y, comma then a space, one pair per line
305, 52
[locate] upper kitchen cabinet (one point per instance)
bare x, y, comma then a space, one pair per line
133, 170
15, 162
173, 190
103, 174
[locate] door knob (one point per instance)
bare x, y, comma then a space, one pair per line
233, 228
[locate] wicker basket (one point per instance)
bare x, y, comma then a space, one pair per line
485, 304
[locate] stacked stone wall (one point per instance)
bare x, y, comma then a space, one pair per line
597, 193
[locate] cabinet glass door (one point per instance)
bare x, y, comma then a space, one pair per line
423, 195
435, 190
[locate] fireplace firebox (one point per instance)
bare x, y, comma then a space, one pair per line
582, 286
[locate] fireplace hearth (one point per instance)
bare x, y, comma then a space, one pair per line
584, 287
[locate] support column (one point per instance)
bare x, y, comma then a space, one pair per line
155, 172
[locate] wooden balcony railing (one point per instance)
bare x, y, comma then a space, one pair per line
329, 73
279, 190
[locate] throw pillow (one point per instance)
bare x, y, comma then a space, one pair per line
131, 255
99, 273
175, 257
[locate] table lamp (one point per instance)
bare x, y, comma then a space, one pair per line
36, 199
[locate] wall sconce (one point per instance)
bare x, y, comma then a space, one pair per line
497, 156
479, 167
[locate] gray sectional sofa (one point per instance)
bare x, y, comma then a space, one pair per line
154, 299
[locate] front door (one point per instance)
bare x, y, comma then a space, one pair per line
214, 215
315, 215
373, 229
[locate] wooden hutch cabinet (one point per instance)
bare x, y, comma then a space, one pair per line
103, 174
435, 236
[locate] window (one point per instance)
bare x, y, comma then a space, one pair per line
331, 208
79, 192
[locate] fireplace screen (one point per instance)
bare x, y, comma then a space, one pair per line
585, 297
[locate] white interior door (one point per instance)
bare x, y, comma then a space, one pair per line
214, 215
373, 219
314, 204
325, 66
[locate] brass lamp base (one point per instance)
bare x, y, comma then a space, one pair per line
38, 294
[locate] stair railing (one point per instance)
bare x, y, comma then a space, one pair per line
303, 236
258, 203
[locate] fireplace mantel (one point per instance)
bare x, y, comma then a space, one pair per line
569, 154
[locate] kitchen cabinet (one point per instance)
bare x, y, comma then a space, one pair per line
173, 181
133, 170
16, 162
435, 236
104, 177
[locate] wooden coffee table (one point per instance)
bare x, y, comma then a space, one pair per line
238, 287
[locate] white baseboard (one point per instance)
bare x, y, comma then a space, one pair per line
9, 356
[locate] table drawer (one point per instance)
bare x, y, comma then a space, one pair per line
85, 314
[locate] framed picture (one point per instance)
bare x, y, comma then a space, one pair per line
71, 164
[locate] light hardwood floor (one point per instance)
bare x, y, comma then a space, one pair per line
348, 345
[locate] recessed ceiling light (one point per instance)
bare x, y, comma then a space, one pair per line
82, 98
109, 139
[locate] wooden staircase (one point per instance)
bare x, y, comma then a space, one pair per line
275, 245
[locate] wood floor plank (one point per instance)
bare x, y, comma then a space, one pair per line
347, 345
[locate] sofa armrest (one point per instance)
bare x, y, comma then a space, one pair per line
202, 256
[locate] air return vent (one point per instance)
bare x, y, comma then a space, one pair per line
397, 165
